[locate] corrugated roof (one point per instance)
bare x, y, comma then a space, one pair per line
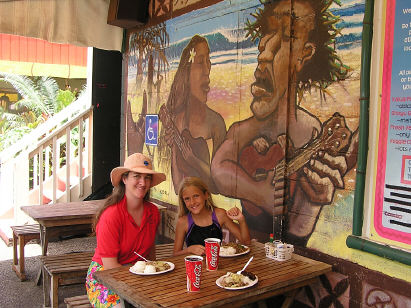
24, 49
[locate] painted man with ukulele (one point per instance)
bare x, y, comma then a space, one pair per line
250, 163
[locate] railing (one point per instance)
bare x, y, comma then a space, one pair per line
51, 164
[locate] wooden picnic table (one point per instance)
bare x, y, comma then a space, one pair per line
169, 289
58, 218
63, 218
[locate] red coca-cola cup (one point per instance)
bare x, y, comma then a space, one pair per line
212, 252
194, 265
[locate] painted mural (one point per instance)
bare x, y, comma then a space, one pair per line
261, 103
282, 162
261, 100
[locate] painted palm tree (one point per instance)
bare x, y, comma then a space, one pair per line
147, 46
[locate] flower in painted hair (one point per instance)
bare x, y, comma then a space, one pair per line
192, 55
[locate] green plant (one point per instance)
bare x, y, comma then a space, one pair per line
64, 98
41, 99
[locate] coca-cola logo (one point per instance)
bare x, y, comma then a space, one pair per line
214, 254
197, 273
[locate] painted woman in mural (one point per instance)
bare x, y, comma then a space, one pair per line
186, 118
283, 160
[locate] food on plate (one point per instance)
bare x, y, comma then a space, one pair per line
150, 267
227, 251
233, 280
139, 266
249, 275
161, 266
230, 249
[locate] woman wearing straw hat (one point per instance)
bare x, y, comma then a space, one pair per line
125, 224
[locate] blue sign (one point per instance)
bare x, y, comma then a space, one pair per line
151, 129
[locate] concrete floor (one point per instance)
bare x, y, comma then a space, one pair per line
26, 294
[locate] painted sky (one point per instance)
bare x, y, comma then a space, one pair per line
223, 26
181, 28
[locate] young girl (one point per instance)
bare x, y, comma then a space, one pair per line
200, 219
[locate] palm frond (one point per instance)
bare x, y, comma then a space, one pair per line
27, 89
12, 119
48, 90
11, 136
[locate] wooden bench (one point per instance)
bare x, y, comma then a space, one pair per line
163, 251
73, 265
62, 270
21, 236
80, 301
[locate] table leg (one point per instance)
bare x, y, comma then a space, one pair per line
46, 287
54, 291
44, 244
21, 249
39, 277
15, 262
125, 304
44, 240
289, 298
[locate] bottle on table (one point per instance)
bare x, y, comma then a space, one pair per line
269, 247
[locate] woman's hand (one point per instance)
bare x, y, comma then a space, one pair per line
235, 214
196, 250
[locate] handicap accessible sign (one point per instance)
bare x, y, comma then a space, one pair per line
151, 129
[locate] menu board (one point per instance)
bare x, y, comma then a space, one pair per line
392, 208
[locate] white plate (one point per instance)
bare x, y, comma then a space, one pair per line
219, 280
156, 273
237, 254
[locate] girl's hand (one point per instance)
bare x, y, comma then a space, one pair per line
235, 214
196, 250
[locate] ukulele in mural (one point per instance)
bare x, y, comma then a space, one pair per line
334, 137
198, 145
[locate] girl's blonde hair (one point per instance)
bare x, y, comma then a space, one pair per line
196, 182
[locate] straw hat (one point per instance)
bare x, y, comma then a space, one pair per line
140, 163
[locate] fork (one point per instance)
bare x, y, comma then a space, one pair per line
141, 257
251, 259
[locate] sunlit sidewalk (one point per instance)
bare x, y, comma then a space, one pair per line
26, 293
57, 247
30, 250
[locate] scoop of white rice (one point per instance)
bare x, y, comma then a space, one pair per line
227, 251
139, 267
150, 269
